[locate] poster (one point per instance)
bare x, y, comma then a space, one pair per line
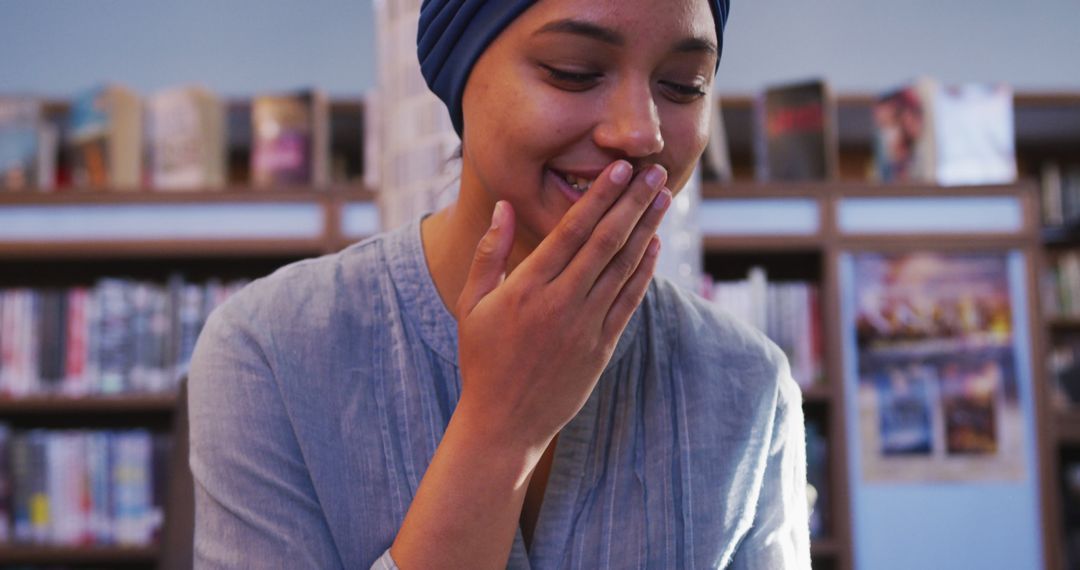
938, 397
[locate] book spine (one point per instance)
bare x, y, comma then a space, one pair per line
7, 516
76, 349
39, 484
21, 467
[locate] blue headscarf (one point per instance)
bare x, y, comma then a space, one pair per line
453, 34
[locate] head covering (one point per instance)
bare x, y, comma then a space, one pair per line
453, 34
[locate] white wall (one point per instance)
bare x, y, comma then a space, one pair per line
240, 47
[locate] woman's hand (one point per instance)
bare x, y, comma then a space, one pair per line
532, 346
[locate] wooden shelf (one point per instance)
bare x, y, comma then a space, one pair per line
1063, 324
13, 554
120, 404
819, 393
233, 222
1067, 427
825, 548
845, 187
83, 197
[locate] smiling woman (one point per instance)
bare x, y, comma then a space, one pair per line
503, 383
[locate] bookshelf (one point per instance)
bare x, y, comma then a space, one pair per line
41, 243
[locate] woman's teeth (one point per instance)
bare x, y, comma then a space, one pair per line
579, 184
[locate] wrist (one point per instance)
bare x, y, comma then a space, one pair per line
509, 447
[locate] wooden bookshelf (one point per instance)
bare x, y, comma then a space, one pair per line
118, 404
1067, 428
1047, 125
105, 555
1050, 123
296, 222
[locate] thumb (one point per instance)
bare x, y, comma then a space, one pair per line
489, 263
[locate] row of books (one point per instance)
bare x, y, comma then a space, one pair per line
1060, 186
118, 336
175, 140
789, 313
1061, 286
925, 132
82, 488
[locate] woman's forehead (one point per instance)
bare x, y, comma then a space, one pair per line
630, 18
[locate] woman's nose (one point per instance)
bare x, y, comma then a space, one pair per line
631, 122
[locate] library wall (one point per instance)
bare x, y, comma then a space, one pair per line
56, 48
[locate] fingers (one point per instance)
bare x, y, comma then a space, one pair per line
615, 275
630, 297
574, 229
489, 264
615, 229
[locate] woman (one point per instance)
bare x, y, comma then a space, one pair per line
503, 382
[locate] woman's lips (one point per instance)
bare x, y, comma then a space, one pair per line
572, 194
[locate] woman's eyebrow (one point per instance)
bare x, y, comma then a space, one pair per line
609, 36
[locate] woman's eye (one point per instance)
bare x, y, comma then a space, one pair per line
687, 92
571, 77
580, 81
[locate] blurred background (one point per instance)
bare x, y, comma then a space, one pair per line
243, 47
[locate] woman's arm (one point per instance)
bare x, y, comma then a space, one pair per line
255, 505
780, 536
531, 349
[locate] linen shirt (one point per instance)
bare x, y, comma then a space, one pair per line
319, 394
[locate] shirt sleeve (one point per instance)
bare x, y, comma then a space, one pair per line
255, 503
780, 535
385, 562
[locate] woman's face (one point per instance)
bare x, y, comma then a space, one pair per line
570, 87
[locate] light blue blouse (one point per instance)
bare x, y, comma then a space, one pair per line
319, 394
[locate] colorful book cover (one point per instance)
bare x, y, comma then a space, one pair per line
20, 128
904, 412
929, 133
904, 139
185, 132
104, 139
290, 140
969, 402
976, 140
797, 133
88, 139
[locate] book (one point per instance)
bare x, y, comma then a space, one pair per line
104, 139
970, 408
6, 514
290, 144
716, 160
185, 139
817, 479
929, 133
796, 134
904, 410
28, 146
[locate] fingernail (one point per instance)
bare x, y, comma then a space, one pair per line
655, 176
621, 173
654, 245
662, 200
496, 216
